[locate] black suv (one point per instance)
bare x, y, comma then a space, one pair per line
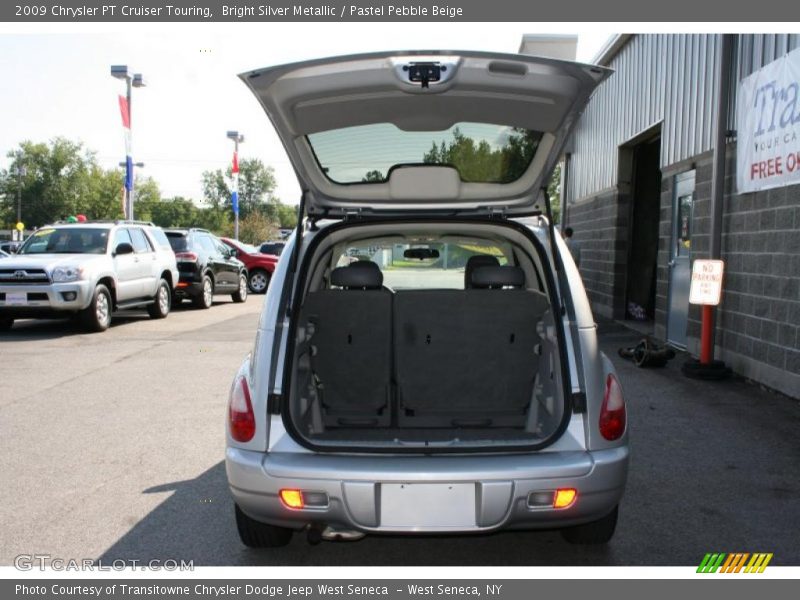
206, 267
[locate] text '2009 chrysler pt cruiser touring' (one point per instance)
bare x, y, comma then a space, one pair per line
426, 360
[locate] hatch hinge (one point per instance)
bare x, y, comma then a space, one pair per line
274, 404
578, 402
498, 212
352, 214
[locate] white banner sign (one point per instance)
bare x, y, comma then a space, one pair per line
768, 126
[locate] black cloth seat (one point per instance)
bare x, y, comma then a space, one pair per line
468, 357
352, 346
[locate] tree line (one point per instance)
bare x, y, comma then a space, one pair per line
61, 178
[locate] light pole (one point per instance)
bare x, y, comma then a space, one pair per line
135, 80
237, 139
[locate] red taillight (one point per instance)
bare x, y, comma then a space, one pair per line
186, 256
241, 419
612, 414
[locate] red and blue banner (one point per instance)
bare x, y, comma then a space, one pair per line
235, 178
125, 111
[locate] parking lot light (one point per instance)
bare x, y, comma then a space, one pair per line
132, 80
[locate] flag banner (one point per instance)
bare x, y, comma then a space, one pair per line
235, 178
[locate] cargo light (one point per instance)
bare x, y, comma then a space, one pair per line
612, 413
564, 497
292, 498
241, 420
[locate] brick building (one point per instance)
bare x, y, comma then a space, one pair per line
640, 178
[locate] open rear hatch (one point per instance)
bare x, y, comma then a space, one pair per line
332, 114
403, 136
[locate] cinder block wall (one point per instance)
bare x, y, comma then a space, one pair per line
758, 322
600, 224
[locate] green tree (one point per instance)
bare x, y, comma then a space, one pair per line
255, 228
554, 191
58, 181
374, 176
287, 216
480, 162
174, 212
256, 187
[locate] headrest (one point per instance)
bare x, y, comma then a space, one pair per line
497, 277
361, 275
479, 260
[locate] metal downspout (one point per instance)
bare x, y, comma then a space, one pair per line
718, 172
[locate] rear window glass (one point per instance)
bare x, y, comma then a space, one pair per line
177, 240
481, 152
429, 265
160, 238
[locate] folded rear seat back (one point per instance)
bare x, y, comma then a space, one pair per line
468, 357
352, 346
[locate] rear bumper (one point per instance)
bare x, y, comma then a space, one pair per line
52, 300
355, 486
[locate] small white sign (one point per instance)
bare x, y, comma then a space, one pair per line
16, 298
706, 282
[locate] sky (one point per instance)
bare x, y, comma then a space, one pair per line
57, 82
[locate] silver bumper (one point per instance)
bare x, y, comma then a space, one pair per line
45, 298
362, 491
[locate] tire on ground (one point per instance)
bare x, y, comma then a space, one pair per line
162, 301
596, 532
256, 534
97, 316
204, 299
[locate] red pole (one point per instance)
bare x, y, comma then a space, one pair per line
706, 349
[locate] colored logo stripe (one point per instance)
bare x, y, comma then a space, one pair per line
758, 563
734, 562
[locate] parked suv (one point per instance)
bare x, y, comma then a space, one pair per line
207, 267
90, 270
426, 361
260, 267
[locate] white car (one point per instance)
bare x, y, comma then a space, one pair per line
88, 270
450, 379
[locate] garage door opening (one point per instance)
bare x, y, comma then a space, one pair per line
640, 294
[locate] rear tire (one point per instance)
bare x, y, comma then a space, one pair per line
206, 297
256, 534
162, 301
241, 294
97, 316
596, 532
259, 281
6, 323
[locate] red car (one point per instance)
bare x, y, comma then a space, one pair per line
259, 266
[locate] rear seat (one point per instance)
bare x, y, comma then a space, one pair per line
352, 346
468, 358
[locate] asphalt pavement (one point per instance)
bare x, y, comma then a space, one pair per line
112, 448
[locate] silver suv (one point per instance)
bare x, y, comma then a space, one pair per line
427, 360
89, 270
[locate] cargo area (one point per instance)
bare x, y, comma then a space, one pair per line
451, 345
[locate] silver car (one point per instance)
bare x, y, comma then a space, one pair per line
88, 270
426, 361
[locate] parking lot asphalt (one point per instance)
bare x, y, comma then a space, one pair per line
112, 448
